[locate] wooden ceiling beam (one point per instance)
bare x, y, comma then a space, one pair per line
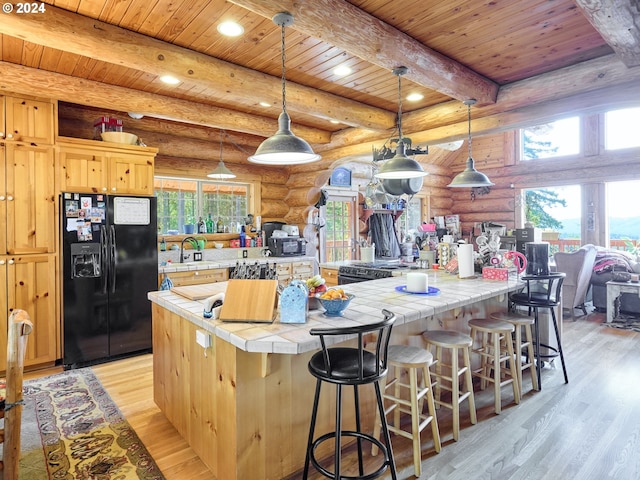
349, 28
31, 81
618, 21
238, 85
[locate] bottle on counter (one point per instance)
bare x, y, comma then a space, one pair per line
163, 245
220, 226
202, 228
243, 237
209, 224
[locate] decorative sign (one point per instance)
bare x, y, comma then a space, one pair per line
341, 177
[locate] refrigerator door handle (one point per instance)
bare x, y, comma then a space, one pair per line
112, 259
104, 255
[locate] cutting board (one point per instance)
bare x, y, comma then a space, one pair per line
249, 301
199, 292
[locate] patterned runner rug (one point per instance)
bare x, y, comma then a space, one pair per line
71, 429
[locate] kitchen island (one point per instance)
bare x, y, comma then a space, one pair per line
244, 403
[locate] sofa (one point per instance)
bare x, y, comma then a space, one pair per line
605, 263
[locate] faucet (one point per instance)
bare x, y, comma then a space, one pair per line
185, 239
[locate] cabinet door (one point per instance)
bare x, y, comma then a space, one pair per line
131, 174
302, 270
83, 171
3, 204
3, 132
330, 276
30, 199
29, 121
31, 286
196, 277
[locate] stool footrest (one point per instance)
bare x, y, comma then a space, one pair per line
350, 433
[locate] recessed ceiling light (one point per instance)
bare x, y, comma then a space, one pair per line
334, 121
414, 97
341, 71
230, 28
264, 104
169, 79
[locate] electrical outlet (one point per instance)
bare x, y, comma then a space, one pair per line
245, 253
203, 338
240, 253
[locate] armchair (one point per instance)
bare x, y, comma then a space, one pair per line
578, 267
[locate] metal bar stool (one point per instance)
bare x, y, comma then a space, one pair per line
454, 342
548, 295
351, 366
521, 322
496, 348
411, 359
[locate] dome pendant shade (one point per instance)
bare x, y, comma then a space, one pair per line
401, 166
470, 177
284, 148
221, 172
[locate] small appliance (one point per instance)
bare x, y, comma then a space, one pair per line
292, 230
287, 246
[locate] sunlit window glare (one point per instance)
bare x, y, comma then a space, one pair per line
621, 128
554, 139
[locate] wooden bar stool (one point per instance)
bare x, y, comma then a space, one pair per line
521, 322
496, 348
454, 342
411, 359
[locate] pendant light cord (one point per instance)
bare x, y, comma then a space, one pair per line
284, 93
399, 108
469, 124
221, 145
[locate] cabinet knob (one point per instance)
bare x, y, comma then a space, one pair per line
12, 261
10, 198
197, 273
2, 198
9, 135
2, 262
113, 189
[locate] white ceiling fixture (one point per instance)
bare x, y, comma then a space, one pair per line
229, 28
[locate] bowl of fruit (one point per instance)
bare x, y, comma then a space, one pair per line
316, 286
334, 301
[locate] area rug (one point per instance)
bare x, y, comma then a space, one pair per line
71, 429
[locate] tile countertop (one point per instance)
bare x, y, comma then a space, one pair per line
226, 263
370, 298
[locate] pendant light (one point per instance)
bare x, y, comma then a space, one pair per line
400, 166
470, 177
284, 148
221, 172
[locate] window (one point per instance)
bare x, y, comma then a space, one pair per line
339, 231
621, 128
623, 215
183, 201
549, 140
411, 218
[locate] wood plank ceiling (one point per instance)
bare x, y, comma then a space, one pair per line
512, 55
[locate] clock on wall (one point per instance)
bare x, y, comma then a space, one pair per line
341, 177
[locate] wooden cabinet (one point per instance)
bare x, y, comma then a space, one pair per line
300, 270
195, 277
27, 199
99, 167
28, 282
330, 276
29, 121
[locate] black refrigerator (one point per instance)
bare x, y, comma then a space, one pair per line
110, 262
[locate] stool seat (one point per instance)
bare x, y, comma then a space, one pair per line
455, 342
351, 366
496, 348
412, 359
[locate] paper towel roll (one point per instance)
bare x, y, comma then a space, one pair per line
417, 282
465, 261
367, 254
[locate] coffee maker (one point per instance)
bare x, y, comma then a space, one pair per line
537, 255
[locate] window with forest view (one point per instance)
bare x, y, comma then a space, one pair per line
184, 201
549, 140
339, 231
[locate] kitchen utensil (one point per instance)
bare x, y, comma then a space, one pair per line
411, 186
119, 137
393, 186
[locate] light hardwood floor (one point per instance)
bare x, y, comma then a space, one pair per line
586, 430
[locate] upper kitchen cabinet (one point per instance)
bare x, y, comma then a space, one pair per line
99, 167
27, 199
29, 121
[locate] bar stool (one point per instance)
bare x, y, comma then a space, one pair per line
547, 295
455, 342
496, 348
412, 359
521, 322
351, 366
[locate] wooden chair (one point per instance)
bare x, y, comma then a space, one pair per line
20, 327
